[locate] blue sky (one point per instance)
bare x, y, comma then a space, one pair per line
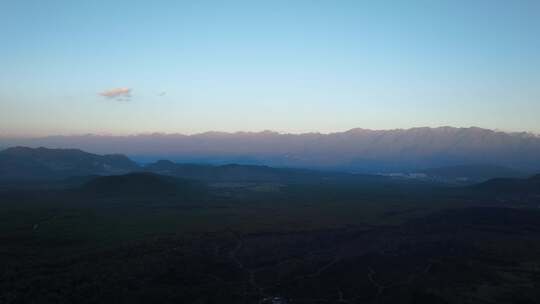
289, 66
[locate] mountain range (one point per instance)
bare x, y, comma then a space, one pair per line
356, 150
118, 176
74, 167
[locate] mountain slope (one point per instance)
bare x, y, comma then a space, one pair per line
43, 163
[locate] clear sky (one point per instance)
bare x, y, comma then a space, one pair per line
125, 67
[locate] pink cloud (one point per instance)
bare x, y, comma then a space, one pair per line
121, 94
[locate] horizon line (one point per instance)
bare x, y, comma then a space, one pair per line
267, 131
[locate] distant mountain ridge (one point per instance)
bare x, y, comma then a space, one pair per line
359, 150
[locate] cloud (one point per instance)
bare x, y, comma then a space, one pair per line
119, 94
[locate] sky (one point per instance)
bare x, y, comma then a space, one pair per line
131, 67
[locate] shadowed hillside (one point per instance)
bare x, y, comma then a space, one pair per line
43, 163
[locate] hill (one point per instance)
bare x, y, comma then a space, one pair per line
65, 167
250, 173
41, 163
